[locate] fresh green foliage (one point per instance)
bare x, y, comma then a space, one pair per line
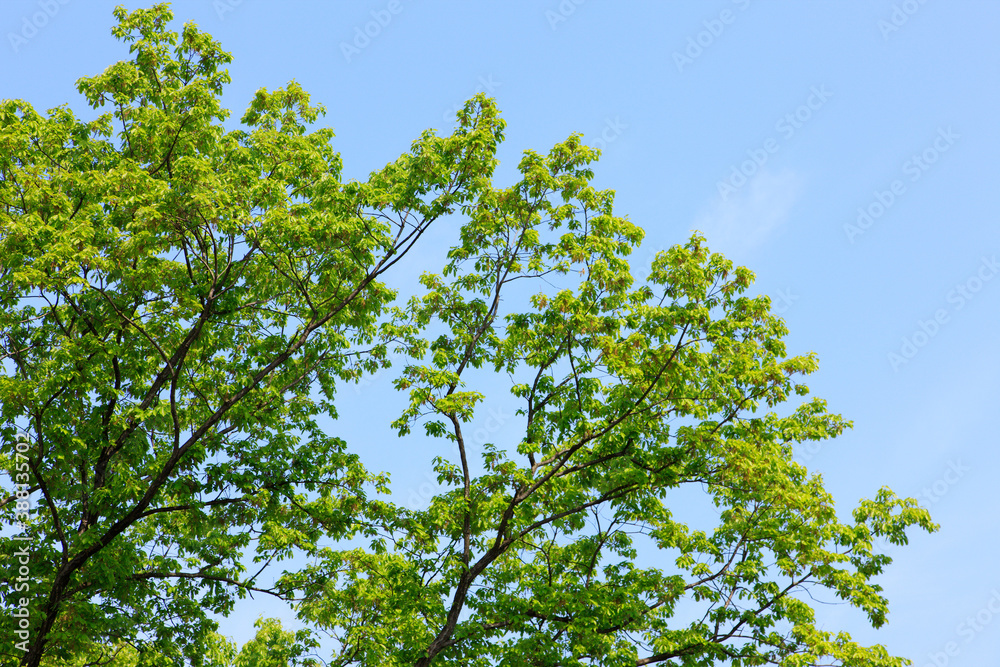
180, 303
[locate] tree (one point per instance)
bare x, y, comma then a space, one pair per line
181, 302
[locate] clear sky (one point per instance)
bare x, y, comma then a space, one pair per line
846, 152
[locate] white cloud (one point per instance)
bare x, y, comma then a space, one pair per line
752, 213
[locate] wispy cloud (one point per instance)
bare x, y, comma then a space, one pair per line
749, 216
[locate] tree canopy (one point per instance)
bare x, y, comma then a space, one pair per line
182, 302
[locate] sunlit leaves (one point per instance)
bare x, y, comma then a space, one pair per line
183, 301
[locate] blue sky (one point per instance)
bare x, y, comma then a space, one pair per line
846, 152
